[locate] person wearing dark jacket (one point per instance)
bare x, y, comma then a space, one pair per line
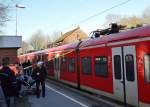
39, 75
7, 78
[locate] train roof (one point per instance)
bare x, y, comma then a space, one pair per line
67, 46
63, 47
130, 34
125, 35
55, 49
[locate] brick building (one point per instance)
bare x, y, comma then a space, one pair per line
9, 46
69, 37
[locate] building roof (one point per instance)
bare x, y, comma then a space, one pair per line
10, 41
66, 35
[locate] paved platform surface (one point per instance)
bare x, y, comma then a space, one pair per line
56, 96
2, 100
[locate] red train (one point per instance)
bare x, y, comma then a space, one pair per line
116, 65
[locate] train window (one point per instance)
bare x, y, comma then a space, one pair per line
117, 66
129, 67
63, 64
101, 66
86, 65
50, 64
71, 64
147, 68
56, 63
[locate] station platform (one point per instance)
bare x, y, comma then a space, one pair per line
2, 100
56, 96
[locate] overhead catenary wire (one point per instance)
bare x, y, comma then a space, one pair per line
97, 14
88, 18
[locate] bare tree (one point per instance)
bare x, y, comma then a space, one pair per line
25, 47
55, 35
111, 18
38, 41
131, 21
48, 40
3, 14
5, 7
146, 15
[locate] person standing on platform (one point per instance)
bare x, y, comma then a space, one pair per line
19, 78
7, 77
39, 75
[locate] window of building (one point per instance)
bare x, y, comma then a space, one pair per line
71, 62
86, 65
147, 68
129, 60
117, 67
101, 66
63, 64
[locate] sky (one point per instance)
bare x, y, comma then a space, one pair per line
51, 16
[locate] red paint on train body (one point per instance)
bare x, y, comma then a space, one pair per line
124, 57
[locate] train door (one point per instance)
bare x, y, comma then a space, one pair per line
57, 68
125, 74
117, 73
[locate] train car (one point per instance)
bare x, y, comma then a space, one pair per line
115, 65
118, 66
68, 65
62, 63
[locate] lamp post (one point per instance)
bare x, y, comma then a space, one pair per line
18, 6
